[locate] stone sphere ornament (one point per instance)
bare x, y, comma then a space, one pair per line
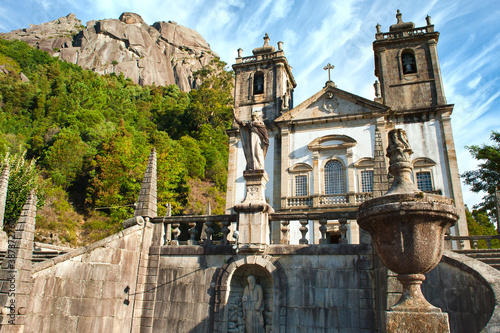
407, 226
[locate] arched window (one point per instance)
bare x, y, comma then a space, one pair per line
334, 178
258, 83
408, 62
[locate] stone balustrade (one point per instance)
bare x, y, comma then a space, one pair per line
173, 231
323, 201
404, 33
473, 240
264, 56
304, 219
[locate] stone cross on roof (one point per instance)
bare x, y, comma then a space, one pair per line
328, 67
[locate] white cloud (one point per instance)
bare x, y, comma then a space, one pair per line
474, 82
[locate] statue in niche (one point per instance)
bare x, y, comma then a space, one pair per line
255, 140
253, 307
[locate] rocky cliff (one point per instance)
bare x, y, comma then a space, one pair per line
164, 53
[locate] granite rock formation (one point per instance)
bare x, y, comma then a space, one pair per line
164, 53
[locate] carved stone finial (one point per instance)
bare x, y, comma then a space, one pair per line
400, 25
399, 17
266, 48
378, 26
240, 52
280, 45
428, 20
266, 40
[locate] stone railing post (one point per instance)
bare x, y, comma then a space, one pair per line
343, 231
303, 230
175, 233
225, 232
285, 235
209, 231
192, 233
322, 229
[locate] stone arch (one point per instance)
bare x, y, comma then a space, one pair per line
408, 62
269, 272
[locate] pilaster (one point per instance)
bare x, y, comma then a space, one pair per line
231, 172
285, 164
453, 175
441, 99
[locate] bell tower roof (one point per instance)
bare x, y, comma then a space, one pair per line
266, 48
400, 25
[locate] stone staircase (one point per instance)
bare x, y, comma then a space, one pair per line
42, 252
488, 256
38, 256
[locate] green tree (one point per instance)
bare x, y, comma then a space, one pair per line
23, 178
487, 177
478, 223
212, 101
65, 158
192, 157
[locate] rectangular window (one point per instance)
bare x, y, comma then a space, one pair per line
300, 186
424, 181
367, 181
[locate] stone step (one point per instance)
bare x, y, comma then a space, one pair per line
478, 251
490, 261
484, 255
38, 256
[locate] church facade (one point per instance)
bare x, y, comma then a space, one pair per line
328, 152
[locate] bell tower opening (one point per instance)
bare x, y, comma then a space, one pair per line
258, 83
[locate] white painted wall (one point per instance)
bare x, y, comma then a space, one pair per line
426, 141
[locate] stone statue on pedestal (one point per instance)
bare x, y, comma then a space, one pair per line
252, 300
255, 140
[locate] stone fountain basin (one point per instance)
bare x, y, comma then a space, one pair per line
408, 229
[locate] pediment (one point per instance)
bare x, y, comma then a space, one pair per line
332, 102
329, 142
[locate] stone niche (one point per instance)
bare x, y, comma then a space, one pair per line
234, 309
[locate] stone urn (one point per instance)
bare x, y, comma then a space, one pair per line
408, 227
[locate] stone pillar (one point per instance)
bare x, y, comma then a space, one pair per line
253, 213
454, 177
4, 184
382, 75
441, 99
285, 164
15, 275
231, 172
316, 179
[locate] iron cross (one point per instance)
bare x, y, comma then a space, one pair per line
328, 67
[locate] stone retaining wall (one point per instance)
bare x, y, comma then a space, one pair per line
307, 288
84, 290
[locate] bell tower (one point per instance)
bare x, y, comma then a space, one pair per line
407, 66
263, 81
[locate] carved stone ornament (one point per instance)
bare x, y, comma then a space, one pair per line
331, 104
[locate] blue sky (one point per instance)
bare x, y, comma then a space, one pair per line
318, 32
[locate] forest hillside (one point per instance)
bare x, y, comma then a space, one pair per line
83, 140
